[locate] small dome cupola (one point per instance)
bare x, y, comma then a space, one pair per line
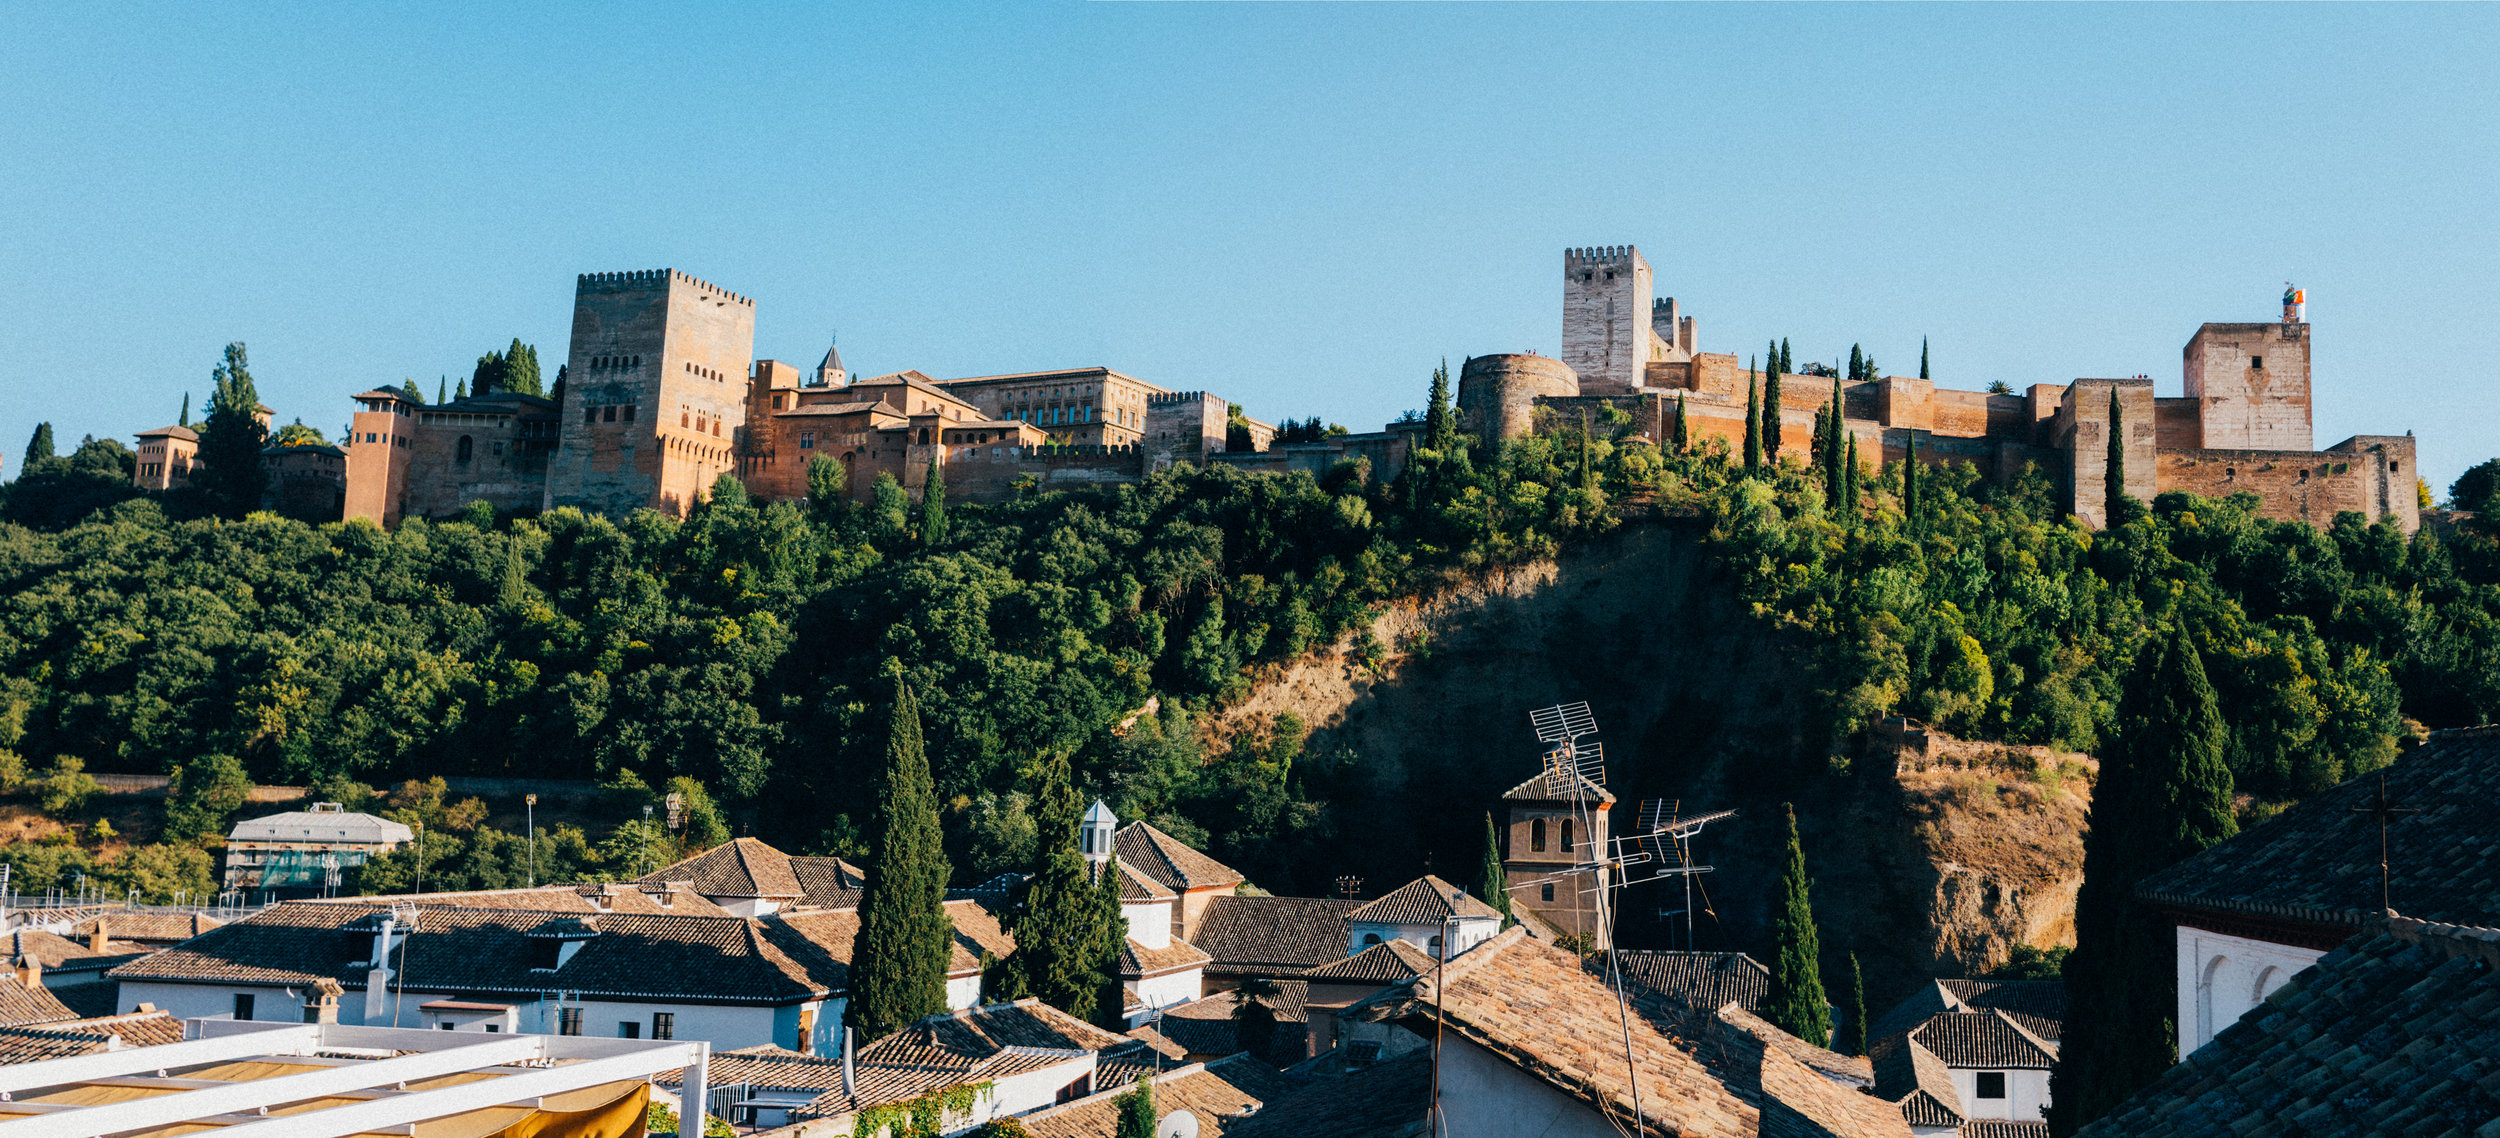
1094, 836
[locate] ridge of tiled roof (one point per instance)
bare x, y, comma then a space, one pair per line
1213, 1092
2038, 1005
134, 1029
830, 933
125, 925
1536, 1007
452, 949
53, 950
1853, 1071
2003, 1128
23, 1004
1987, 1038
2395, 1032
1138, 961
1135, 885
1913, 1079
828, 882
972, 1034
2318, 862
1273, 935
1205, 1026
1706, 980
1423, 901
1170, 861
1550, 786
1799, 1088
1390, 960
742, 867
575, 897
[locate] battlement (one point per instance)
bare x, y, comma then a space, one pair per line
1175, 397
648, 278
1598, 257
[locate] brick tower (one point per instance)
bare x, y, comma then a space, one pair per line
1607, 317
1558, 821
2251, 382
656, 392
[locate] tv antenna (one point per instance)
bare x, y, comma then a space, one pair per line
1658, 848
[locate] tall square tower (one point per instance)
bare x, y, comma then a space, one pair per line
1606, 316
655, 392
2251, 384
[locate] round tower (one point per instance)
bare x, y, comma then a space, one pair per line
1497, 394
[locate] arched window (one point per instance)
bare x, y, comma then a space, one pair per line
461, 453
2267, 981
1566, 835
1433, 946
924, 436
1536, 835
2207, 1022
1370, 939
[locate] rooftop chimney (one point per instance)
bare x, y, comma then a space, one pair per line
97, 939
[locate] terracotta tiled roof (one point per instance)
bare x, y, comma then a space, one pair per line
22, 1045
1984, 1039
1706, 980
978, 1033
1537, 1008
1138, 961
1387, 961
53, 950
87, 1036
831, 932
726, 959
2396, 1032
2000, 1128
2318, 862
1136, 886
1800, 1089
776, 1068
2038, 1005
176, 431
1846, 1070
828, 882
1273, 935
1214, 1092
1205, 1026
1911, 1077
1169, 860
1548, 786
1386, 1100
745, 867
589, 897
1156, 1041
22, 1004
160, 928
1423, 901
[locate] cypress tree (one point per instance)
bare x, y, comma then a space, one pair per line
1788, 362
1796, 1002
1850, 477
1771, 411
520, 369
1753, 423
1909, 482
1831, 447
2163, 794
185, 420
1064, 944
933, 507
1491, 883
2114, 470
1857, 364
488, 374
1683, 430
438, 387
1440, 420
462, 391
1856, 1033
38, 448
1922, 357
232, 437
1254, 1015
905, 941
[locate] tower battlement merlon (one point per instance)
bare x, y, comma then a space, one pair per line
1598, 257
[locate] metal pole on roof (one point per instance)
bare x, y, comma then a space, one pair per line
530, 809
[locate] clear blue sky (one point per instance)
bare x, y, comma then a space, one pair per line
1300, 206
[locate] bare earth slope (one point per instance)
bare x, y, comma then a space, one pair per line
1926, 873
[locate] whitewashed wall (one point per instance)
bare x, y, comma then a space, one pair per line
2222, 976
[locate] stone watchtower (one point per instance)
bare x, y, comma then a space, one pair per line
1558, 821
2250, 382
1607, 317
655, 392
1497, 394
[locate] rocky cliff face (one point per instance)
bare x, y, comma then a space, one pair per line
1933, 870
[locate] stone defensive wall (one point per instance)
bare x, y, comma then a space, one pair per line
973, 473
1497, 394
2371, 475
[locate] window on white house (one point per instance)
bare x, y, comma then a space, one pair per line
664, 1025
1370, 939
1991, 1084
242, 1005
1548, 892
628, 1029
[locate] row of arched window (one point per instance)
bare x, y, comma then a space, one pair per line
1536, 835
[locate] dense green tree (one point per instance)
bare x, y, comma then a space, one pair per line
1681, 436
1492, 883
520, 370
38, 448
2163, 794
1796, 1001
1910, 480
905, 941
1254, 1015
232, 437
1857, 364
889, 512
1440, 418
2477, 490
1066, 945
205, 793
1852, 476
828, 489
1137, 1111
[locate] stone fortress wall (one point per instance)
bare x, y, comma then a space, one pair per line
2243, 423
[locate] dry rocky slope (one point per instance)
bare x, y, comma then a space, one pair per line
1933, 865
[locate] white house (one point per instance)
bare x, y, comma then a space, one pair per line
2252, 912
1423, 912
307, 849
1157, 968
1962, 1051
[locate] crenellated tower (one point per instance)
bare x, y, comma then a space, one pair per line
1606, 336
655, 392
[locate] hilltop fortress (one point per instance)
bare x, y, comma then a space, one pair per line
662, 394
2243, 423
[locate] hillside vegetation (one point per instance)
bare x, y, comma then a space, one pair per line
746, 649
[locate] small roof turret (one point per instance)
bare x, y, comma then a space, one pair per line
830, 372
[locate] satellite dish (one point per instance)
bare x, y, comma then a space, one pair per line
1178, 1124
